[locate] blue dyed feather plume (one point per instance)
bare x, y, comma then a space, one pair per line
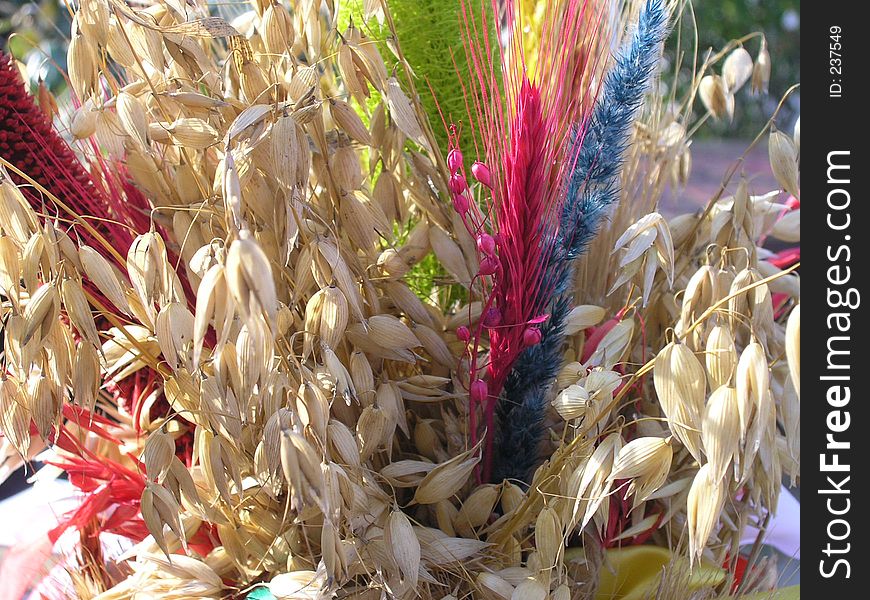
591, 189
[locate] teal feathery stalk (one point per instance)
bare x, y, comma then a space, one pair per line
592, 187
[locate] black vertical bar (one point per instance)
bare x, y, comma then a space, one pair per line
835, 429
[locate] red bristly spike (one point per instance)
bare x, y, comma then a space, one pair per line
520, 126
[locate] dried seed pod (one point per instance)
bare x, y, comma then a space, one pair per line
362, 376
563, 592
426, 439
408, 302
341, 439
435, 346
720, 356
788, 227
477, 508
783, 161
446, 479
84, 122
720, 431
44, 403
14, 415
86, 376
93, 19
399, 536
349, 121
387, 193
704, 504
346, 170
249, 279
100, 272
150, 272
714, 95
371, 430
530, 589
450, 255
276, 29
570, 374
548, 537
738, 304
417, 245
191, 132
645, 460
363, 220
351, 75
326, 315
445, 516
133, 119
761, 70
702, 291
793, 347
613, 346
40, 314
737, 69
211, 304
174, 328
592, 479
572, 402
341, 377
753, 383
583, 317
10, 267
288, 152
493, 587
512, 497
390, 332
82, 63
680, 383
157, 455
79, 311
391, 263
332, 552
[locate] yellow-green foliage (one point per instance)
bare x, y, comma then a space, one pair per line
430, 33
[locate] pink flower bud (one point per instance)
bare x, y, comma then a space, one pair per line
479, 391
492, 317
454, 160
481, 173
532, 336
486, 244
460, 203
488, 266
463, 333
457, 183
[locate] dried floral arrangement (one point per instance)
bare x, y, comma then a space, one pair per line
293, 337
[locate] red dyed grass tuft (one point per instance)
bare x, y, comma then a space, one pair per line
524, 221
29, 142
524, 127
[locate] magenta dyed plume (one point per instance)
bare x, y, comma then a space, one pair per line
30, 143
521, 127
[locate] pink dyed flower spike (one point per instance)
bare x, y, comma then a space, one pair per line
454, 160
520, 123
482, 173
